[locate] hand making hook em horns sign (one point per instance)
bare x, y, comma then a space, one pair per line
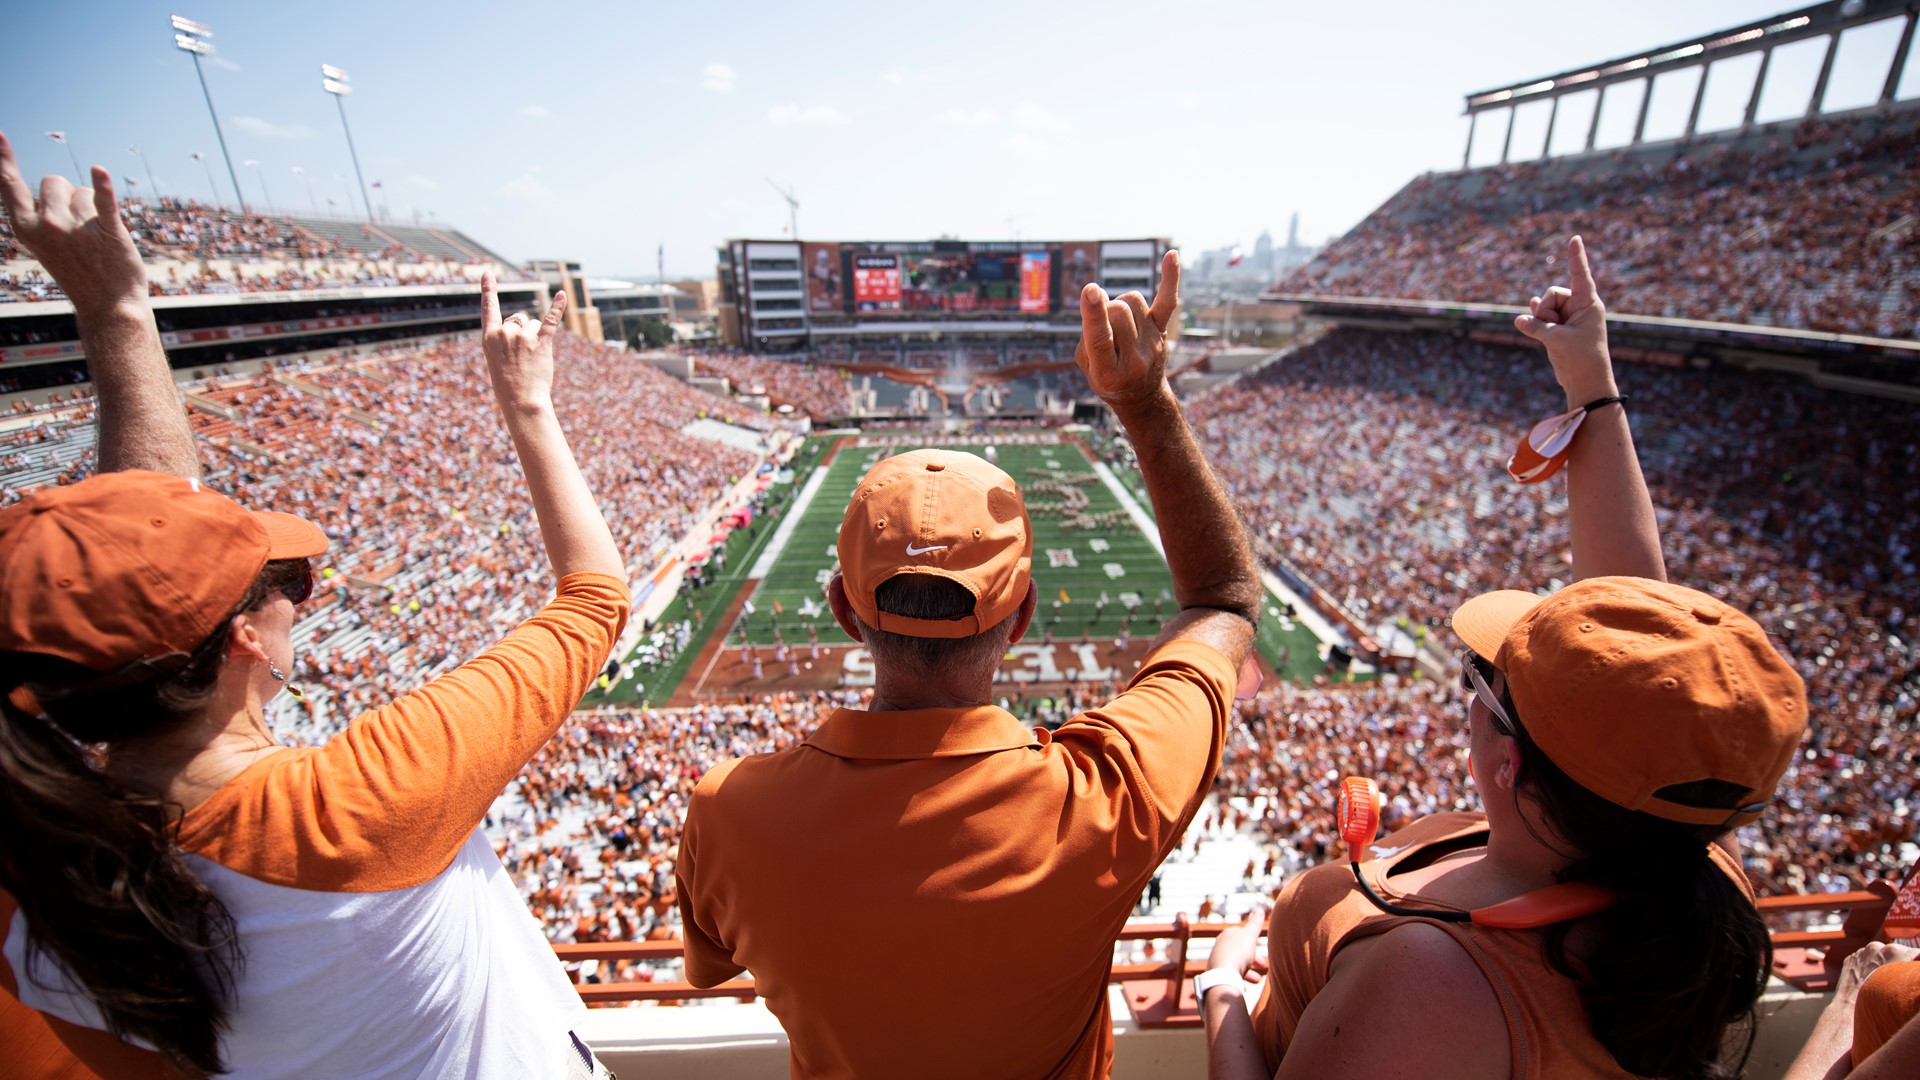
519, 351
1123, 342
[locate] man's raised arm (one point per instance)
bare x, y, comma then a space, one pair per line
81, 242
1123, 351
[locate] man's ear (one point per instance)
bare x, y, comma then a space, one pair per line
842, 608
1023, 619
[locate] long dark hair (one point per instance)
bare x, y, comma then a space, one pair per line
1683, 956
91, 860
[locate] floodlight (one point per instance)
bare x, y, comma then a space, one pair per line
338, 88
193, 44
331, 72
186, 25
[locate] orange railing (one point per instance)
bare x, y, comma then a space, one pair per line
1160, 992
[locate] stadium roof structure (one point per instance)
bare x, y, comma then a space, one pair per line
1762, 36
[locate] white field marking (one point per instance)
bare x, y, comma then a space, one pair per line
764, 564
1305, 612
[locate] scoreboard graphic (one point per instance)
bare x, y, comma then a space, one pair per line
948, 277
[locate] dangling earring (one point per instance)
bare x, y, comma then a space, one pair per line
281, 677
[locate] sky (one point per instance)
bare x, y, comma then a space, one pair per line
609, 132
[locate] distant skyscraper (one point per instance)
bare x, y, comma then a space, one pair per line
1263, 253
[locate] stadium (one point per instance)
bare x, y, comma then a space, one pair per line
1762, 282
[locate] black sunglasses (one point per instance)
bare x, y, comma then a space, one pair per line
300, 591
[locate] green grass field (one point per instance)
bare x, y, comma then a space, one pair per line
1114, 562
1091, 580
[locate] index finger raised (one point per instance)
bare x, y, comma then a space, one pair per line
550, 322
1584, 290
489, 305
1096, 333
106, 204
14, 191
1166, 299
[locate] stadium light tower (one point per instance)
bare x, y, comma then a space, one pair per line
192, 37
334, 81
793, 207
262, 177
142, 155
301, 172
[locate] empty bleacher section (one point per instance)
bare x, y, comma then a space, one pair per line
1813, 224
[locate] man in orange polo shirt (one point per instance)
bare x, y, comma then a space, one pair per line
928, 888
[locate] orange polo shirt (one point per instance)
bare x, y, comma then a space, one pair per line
936, 892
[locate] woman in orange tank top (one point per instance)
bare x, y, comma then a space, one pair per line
1593, 921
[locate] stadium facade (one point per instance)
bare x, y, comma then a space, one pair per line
787, 296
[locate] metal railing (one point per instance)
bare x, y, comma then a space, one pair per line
1160, 992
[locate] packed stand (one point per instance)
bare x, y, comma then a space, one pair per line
271, 255
1376, 470
1808, 226
406, 467
820, 393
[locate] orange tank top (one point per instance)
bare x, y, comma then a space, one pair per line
1321, 911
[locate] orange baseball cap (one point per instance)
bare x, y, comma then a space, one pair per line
1631, 686
131, 566
943, 513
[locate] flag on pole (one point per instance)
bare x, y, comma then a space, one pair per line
778, 609
57, 136
1064, 598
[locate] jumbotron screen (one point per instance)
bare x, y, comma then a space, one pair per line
945, 277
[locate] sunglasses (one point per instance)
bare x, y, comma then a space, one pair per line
1476, 677
301, 590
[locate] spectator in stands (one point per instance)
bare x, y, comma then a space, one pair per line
196, 887
901, 846
1870, 1029
1594, 922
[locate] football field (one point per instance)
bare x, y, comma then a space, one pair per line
1104, 588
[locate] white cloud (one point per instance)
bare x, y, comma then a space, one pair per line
423, 182
536, 112
1030, 116
970, 118
788, 115
267, 129
897, 76
529, 189
718, 78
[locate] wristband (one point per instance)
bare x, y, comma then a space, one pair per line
1617, 399
1211, 978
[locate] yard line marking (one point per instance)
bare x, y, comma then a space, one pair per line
795, 513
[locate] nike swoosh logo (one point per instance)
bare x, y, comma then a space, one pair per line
911, 550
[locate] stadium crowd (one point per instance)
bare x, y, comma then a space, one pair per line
268, 254
1377, 472
407, 471
818, 392
1804, 226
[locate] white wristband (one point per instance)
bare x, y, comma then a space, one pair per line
1211, 978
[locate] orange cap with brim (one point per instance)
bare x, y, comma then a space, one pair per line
1631, 686
131, 566
942, 513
